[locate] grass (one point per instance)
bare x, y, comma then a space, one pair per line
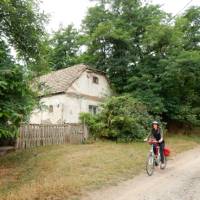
67, 171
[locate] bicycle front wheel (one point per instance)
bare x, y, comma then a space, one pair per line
150, 164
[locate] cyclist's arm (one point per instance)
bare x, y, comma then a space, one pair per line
162, 137
148, 137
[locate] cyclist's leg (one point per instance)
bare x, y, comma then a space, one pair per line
155, 153
154, 149
162, 145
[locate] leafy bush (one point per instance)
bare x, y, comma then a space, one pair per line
16, 96
16, 100
121, 118
93, 122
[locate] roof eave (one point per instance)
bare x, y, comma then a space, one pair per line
50, 94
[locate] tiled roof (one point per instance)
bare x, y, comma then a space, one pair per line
59, 81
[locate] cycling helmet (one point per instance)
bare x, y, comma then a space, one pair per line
155, 122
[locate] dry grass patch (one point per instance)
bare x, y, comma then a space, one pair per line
180, 143
66, 171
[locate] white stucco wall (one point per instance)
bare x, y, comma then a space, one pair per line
67, 107
43, 115
84, 85
74, 106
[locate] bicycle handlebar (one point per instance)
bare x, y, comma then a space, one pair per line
153, 142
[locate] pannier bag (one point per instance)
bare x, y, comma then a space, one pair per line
166, 151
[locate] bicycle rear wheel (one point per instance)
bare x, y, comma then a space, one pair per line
150, 164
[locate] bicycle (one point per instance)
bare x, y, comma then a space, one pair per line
154, 159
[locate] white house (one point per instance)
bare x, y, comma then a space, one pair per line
68, 92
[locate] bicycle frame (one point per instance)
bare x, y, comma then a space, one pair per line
156, 156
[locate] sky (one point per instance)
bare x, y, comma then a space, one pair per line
67, 12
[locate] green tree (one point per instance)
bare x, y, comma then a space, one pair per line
115, 36
64, 47
22, 27
16, 97
191, 27
180, 87
148, 54
167, 78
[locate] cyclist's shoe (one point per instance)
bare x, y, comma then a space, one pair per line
162, 166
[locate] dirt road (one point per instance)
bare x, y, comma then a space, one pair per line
180, 181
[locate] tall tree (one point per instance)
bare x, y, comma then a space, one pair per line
147, 53
22, 27
191, 28
16, 97
64, 47
167, 78
182, 71
115, 36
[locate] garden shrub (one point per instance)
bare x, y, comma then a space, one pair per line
120, 118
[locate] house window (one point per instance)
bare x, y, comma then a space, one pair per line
93, 109
95, 80
50, 108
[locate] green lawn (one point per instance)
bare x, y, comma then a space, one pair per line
67, 171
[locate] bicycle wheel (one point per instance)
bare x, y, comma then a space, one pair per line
165, 163
150, 163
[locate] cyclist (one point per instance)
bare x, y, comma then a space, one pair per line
157, 134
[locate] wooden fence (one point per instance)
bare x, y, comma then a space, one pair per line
34, 135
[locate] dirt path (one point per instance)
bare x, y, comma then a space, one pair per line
180, 181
